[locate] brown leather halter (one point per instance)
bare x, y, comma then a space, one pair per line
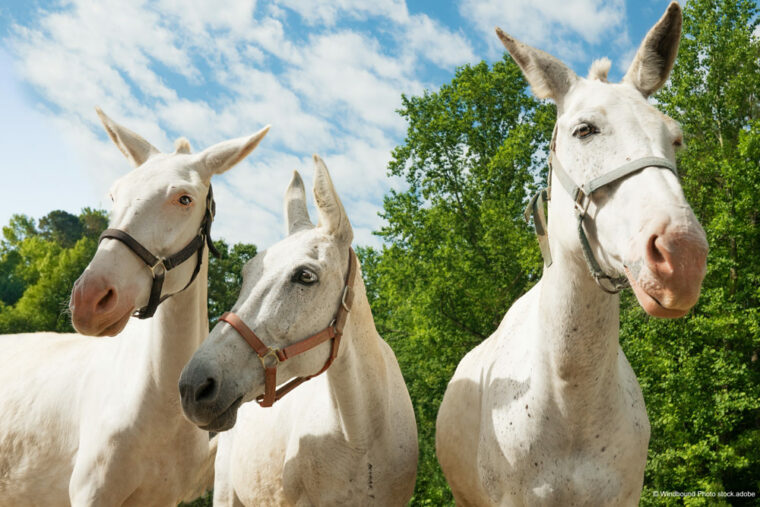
270, 357
160, 265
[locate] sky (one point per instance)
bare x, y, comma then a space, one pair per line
328, 76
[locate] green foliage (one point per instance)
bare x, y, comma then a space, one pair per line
206, 500
38, 267
459, 251
61, 227
225, 277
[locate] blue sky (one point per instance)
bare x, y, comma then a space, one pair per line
326, 74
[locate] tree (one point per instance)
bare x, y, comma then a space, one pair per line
225, 277
61, 227
458, 249
94, 221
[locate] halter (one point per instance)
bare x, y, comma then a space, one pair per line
581, 196
271, 358
160, 265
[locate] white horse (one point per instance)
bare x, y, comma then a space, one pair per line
547, 410
348, 437
98, 421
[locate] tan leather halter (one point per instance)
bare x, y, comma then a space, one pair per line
270, 357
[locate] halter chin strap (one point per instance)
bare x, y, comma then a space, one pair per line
160, 265
581, 195
271, 358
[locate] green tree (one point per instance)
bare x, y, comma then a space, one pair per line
701, 375
458, 249
61, 227
94, 221
225, 277
19, 228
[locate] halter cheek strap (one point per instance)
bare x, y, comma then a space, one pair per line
271, 358
581, 196
159, 266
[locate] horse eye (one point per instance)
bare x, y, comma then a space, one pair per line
185, 200
306, 277
584, 130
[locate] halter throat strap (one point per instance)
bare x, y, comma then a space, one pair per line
271, 358
158, 266
582, 196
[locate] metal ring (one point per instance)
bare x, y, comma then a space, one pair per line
270, 353
159, 263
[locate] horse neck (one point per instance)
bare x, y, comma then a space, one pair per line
175, 332
357, 379
578, 333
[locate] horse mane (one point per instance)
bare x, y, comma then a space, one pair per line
599, 69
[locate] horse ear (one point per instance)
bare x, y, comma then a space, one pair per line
547, 76
132, 145
332, 216
296, 214
222, 156
654, 60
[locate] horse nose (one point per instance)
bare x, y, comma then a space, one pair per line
199, 390
92, 301
678, 263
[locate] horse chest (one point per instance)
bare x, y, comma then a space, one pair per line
543, 458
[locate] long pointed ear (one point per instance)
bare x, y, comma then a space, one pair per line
547, 76
332, 216
654, 60
222, 156
296, 214
132, 145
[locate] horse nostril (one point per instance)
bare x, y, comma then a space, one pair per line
659, 258
107, 301
206, 391
653, 253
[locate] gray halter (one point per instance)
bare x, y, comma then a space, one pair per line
581, 195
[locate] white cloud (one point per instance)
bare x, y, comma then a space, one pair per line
549, 25
328, 11
437, 43
211, 72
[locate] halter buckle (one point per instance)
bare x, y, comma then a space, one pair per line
271, 353
158, 269
581, 207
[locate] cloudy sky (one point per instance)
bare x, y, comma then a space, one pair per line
326, 74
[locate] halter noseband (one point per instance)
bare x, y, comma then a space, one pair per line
160, 265
581, 196
270, 357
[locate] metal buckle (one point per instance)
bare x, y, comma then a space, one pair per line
581, 208
343, 299
154, 268
270, 353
